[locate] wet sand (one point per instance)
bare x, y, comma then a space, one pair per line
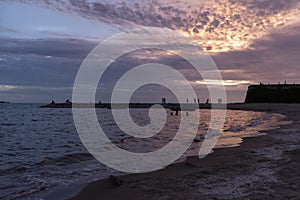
264, 167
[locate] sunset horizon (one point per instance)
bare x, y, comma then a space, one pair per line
249, 41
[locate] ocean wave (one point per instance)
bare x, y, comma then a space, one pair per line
59, 161
235, 129
36, 183
66, 159
251, 123
8, 124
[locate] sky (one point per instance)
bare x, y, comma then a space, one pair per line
43, 43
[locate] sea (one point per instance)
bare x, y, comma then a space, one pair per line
42, 154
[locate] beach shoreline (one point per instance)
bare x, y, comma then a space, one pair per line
263, 167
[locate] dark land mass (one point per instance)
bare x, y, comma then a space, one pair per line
280, 93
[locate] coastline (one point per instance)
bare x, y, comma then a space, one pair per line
263, 167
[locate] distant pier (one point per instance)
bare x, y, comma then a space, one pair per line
171, 106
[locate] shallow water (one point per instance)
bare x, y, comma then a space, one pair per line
41, 150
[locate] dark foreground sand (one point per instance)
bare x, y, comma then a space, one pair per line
265, 167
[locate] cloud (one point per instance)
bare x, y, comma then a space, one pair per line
223, 82
64, 48
8, 87
218, 25
40, 70
274, 58
47, 62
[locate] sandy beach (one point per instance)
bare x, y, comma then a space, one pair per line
264, 167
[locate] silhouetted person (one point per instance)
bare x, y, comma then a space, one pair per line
207, 101
176, 113
220, 101
52, 102
68, 101
198, 101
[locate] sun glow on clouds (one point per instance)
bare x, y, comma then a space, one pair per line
222, 82
8, 87
233, 26
218, 25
